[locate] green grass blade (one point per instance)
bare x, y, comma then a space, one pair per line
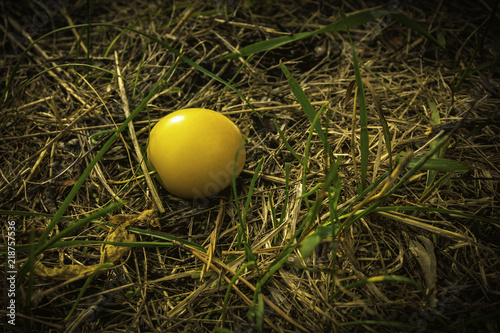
167, 237
241, 230
323, 232
439, 164
230, 286
382, 278
242, 215
274, 218
287, 145
383, 121
315, 189
430, 189
287, 195
435, 120
304, 103
315, 124
31, 269
141, 63
401, 99
311, 242
365, 192
311, 215
75, 226
87, 242
259, 314
353, 20
403, 19
363, 112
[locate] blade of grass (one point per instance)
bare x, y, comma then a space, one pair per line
287, 195
429, 190
435, 120
161, 235
311, 242
419, 209
139, 68
311, 191
385, 126
304, 103
353, 20
403, 19
363, 112
241, 230
287, 145
229, 287
315, 124
335, 224
365, 193
382, 278
259, 314
87, 242
437, 164
274, 218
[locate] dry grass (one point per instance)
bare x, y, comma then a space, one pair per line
48, 138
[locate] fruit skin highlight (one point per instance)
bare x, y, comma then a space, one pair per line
193, 151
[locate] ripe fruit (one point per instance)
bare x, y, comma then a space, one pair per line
194, 150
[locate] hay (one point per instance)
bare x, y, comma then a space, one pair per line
52, 127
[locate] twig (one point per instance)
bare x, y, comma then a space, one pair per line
131, 129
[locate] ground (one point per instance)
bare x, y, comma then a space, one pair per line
369, 200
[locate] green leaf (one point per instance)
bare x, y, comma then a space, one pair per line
311, 242
438, 164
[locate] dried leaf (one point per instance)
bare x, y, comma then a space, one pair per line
63, 185
427, 260
109, 253
65, 272
113, 253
